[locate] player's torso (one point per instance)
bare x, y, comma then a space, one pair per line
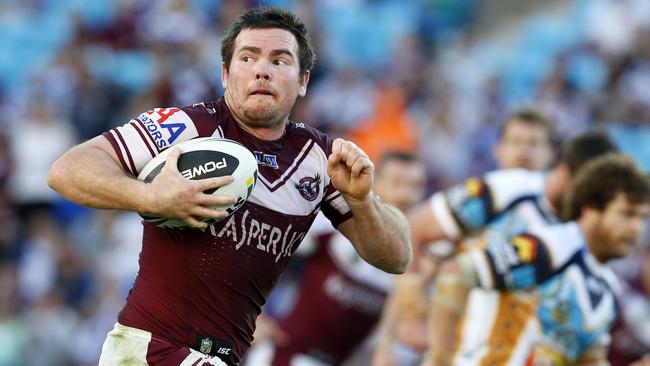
213, 282
577, 307
497, 327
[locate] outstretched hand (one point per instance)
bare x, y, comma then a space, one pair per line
350, 169
172, 196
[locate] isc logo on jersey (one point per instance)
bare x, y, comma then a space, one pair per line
162, 130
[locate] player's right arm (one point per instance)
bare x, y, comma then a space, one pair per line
90, 174
94, 175
467, 208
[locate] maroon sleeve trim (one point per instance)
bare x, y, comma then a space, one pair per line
134, 171
139, 127
111, 139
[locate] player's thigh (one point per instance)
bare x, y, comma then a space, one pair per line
134, 347
125, 346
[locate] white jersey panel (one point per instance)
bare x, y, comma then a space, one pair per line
280, 195
470, 207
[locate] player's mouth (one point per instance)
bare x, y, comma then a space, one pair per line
261, 91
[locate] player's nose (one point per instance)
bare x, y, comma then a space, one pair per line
262, 71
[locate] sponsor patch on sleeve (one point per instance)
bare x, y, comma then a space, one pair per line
167, 126
470, 204
518, 263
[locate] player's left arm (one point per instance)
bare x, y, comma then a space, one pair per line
379, 232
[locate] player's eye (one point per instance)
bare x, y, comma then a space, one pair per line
280, 62
246, 58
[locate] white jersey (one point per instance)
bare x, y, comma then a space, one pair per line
502, 203
571, 311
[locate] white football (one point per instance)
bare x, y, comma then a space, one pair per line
208, 157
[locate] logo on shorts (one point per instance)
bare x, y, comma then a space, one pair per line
206, 345
309, 187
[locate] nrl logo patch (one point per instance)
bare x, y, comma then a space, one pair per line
309, 187
266, 159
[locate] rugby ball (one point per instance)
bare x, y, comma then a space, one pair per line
208, 157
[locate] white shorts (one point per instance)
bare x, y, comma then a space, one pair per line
126, 346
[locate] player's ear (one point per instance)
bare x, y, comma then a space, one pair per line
304, 80
224, 75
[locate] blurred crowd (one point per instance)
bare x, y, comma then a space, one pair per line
390, 74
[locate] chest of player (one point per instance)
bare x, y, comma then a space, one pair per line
576, 308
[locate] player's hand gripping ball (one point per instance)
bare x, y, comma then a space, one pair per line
208, 157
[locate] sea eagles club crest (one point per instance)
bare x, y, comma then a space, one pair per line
309, 187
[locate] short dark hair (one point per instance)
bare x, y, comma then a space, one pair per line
266, 18
579, 150
530, 117
601, 179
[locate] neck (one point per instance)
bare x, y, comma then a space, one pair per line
273, 132
262, 133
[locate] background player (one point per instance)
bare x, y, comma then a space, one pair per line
571, 314
339, 297
504, 201
198, 292
525, 141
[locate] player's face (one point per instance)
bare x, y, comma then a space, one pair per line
524, 146
264, 78
400, 184
619, 227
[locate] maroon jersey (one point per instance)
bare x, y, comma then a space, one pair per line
339, 302
631, 331
198, 288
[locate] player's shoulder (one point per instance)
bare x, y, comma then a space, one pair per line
302, 130
167, 125
510, 185
203, 109
566, 232
534, 180
563, 241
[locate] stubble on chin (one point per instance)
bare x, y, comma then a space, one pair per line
263, 116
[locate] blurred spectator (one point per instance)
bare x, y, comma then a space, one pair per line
388, 128
36, 140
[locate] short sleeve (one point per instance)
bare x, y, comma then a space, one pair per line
146, 136
334, 206
468, 208
524, 261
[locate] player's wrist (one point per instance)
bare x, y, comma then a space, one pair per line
361, 201
144, 199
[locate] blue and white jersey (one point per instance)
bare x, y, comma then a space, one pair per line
504, 201
577, 307
501, 204
575, 303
